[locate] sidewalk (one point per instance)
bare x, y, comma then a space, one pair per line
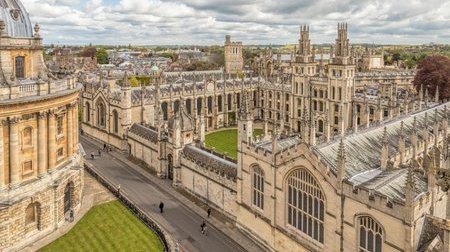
226, 228
93, 194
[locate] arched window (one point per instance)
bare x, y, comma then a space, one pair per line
115, 122
20, 67
176, 106
209, 101
27, 137
219, 103
305, 204
88, 112
370, 235
189, 106
164, 110
229, 102
101, 115
199, 105
258, 187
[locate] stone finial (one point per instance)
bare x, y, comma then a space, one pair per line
410, 186
36, 30
436, 95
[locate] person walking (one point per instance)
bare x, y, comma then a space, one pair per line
104, 146
92, 155
99, 153
118, 189
209, 211
161, 207
203, 227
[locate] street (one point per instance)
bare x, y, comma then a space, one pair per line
182, 223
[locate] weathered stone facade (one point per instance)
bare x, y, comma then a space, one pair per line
41, 174
347, 167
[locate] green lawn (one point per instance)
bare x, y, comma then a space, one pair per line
108, 227
226, 141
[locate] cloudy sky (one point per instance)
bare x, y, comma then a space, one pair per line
151, 22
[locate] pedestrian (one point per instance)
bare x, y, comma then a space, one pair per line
161, 207
92, 155
110, 148
209, 211
82, 131
203, 227
118, 189
99, 153
104, 146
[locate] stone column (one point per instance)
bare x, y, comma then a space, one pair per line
2, 159
14, 150
51, 141
70, 129
75, 128
42, 144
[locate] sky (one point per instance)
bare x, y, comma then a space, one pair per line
206, 22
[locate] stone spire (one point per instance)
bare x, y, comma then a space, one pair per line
436, 95
341, 161
410, 194
414, 138
126, 82
384, 150
401, 143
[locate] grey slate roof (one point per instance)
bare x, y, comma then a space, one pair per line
363, 153
144, 132
211, 161
282, 143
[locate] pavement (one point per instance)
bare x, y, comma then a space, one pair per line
181, 217
93, 194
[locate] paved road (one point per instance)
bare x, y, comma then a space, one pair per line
177, 219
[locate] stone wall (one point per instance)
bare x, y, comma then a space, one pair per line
48, 195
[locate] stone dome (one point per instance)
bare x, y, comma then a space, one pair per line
16, 19
186, 121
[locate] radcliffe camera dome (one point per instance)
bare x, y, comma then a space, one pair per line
16, 19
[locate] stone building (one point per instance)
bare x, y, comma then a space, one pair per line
41, 173
234, 61
341, 166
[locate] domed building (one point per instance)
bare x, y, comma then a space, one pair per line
41, 173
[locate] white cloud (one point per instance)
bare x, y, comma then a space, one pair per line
251, 21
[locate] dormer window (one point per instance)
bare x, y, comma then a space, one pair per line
20, 67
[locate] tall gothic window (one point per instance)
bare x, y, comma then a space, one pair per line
101, 115
258, 187
20, 67
115, 122
370, 235
219, 103
88, 112
306, 204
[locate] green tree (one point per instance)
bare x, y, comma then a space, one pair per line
102, 56
133, 81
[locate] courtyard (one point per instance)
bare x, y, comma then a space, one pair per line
108, 227
225, 141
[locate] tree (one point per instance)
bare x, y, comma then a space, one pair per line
102, 56
434, 71
133, 81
